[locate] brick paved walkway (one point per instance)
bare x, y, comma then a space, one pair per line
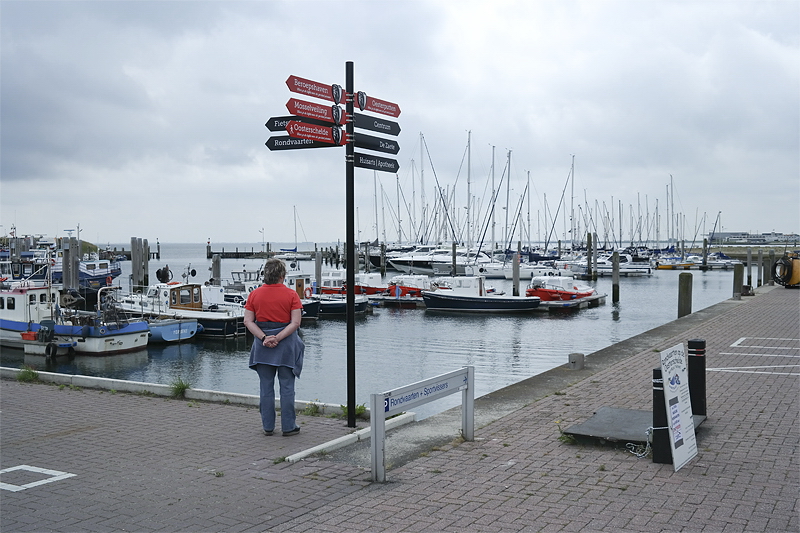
153, 464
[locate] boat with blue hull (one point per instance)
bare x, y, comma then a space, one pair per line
168, 330
32, 319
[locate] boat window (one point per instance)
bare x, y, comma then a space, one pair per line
11, 303
90, 266
186, 296
174, 298
103, 265
32, 298
196, 295
15, 268
2, 303
27, 269
43, 298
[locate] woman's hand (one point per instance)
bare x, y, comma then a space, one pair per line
270, 341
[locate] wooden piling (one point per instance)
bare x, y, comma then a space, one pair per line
589, 253
738, 281
760, 271
684, 294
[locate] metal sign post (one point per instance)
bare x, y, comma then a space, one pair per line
398, 400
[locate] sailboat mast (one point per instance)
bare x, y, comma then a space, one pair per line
529, 212
422, 179
506, 236
494, 201
375, 188
572, 206
469, 192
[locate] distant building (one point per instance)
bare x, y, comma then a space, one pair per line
743, 237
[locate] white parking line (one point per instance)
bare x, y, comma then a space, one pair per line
55, 475
758, 370
760, 354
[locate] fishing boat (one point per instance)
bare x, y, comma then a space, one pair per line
558, 288
469, 294
175, 299
32, 319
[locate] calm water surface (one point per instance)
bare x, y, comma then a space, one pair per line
396, 347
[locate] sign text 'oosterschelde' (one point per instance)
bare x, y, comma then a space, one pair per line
314, 132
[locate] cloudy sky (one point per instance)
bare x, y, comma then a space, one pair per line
146, 118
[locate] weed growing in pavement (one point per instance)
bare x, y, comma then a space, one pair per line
279, 460
178, 387
361, 411
565, 438
27, 374
312, 409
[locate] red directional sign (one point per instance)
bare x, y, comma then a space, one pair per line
314, 132
334, 113
334, 93
368, 103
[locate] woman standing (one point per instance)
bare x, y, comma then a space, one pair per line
272, 314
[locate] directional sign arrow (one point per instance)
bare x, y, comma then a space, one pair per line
285, 142
333, 114
383, 164
279, 123
369, 142
334, 93
382, 125
375, 105
314, 132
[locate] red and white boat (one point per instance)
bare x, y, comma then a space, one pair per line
408, 285
558, 288
335, 282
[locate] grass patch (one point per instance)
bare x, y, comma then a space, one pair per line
178, 387
361, 411
311, 409
27, 374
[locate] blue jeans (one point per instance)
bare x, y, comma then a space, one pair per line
266, 375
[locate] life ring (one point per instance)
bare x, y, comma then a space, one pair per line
109, 280
308, 292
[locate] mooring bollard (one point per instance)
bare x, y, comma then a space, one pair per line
576, 361
662, 453
696, 368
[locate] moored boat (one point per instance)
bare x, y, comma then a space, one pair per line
172, 329
31, 319
557, 288
188, 300
469, 294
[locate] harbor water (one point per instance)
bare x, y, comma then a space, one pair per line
396, 347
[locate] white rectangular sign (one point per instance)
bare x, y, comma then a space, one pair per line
405, 398
679, 406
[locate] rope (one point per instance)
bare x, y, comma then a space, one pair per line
639, 450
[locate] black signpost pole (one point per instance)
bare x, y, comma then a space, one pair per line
351, 255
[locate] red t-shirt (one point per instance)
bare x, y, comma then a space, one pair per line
273, 303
